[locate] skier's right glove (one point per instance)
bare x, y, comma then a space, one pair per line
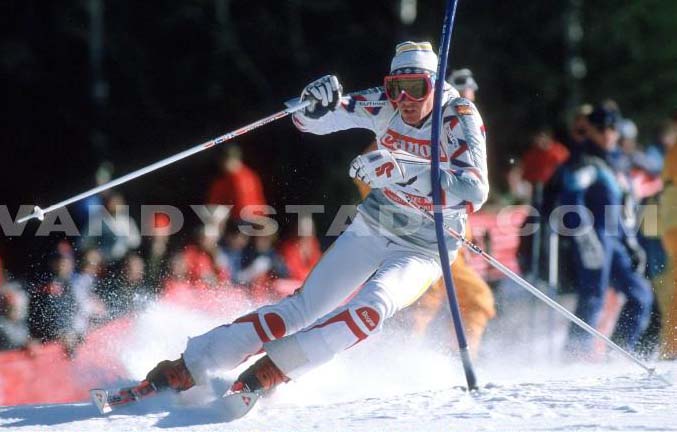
380, 168
324, 94
376, 169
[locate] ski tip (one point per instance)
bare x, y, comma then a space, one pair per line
100, 399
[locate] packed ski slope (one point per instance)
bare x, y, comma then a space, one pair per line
612, 400
395, 383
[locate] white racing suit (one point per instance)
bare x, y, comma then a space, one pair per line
390, 250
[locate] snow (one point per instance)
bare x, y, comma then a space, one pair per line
590, 398
394, 383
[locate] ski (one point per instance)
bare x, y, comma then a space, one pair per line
234, 405
108, 400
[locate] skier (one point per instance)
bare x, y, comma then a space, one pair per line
389, 250
475, 299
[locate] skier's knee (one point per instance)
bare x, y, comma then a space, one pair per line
268, 325
296, 312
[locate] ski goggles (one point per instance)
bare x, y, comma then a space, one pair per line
415, 86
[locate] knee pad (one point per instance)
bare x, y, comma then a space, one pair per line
268, 325
362, 321
370, 318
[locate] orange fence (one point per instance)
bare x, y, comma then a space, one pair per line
499, 236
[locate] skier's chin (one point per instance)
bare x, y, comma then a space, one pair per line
411, 116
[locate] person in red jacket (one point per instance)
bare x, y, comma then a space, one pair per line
206, 264
238, 185
537, 165
543, 157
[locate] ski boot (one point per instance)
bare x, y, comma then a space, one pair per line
171, 374
261, 377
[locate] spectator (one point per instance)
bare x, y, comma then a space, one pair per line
14, 332
537, 166
81, 209
119, 232
463, 81
53, 305
610, 105
543, 157
261, 262
177, 280
652, 158
234, 244
238, 184
645, 166
603, 254
156, 250
89, 307
207, 265
128, 291
301, 249
578, 132
668, 215
627, 130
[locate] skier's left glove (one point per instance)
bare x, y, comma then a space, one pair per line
380, 168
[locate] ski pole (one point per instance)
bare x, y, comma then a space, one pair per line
39, 213
445, 42
293, 105
532, 289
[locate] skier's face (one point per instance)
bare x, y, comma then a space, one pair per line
413, 113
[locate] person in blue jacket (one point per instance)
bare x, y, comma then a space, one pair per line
603, 233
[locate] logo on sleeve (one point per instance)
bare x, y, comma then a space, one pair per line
386, 169
464, 109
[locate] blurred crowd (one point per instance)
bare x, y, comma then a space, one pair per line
623, 185
113, 271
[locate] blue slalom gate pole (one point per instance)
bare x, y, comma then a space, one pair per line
449, 15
